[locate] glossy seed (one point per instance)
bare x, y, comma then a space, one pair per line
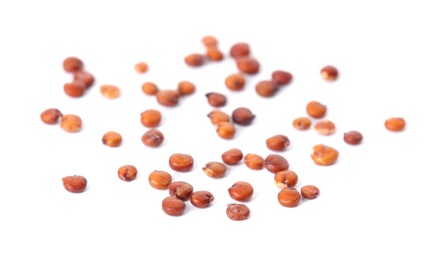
173, 206
181, 190
152, 138
232, 156
289, 197
395, 124
276, 163
216, 99
277, 142
51, 116
159, 180
71, 123
254, 161
301, 123
329, 73
324, 155
201, 199
353, 137
74, 183
248, 65
181, 162
127, 173
168, 98
112, 139
150, 118
243, 116
316, 109
309, 192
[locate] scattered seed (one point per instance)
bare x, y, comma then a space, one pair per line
248, 65
309, 192
276, 163
325, 127
215, 169
301, 123
194, 60
127, 173
74, 89
280, 77
254, 161
353, 137
237, 212
214, 54
150, 118
180, 189
85, 77
110, 91
285, 179
239, 50
51, 116
160, 180
395, 124
210, 41
277, 142
112, 139
74, 183
201, 199
186, 88
181, 162
315, 109
241, 191
329, 73
149, 88
289, 197
226, 130
218, 116
243, 116
153, 138
141, 67
72, 64
266, 88
235, 82
216, 99
168, 98
232, 156
173, 206
71, 123
324, 155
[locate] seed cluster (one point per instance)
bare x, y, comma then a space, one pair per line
180, 192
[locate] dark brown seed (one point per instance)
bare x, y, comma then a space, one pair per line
71, 123
51, 116
72, 64
194, 60
240, 49
127, 173
301, 123
226, 130
266, 88
241, 191
325, 127
168, 98
309, 192
235, 82
395, 124
180, 189
216, 99
112, 139
215, 169
160, 180
353, 137
150, 118
329, 73
254, 161
277, 142
149, 88
281, 77
153, 138
210, 41
248, 65
237, 212
201, 199
181, 162
186, 88
74, 183
173, 206
214, 54
85, 77
289, 197
315, 109
232, 156
74, 89
285, 179
324, 155
243, 116
276, 163
217, 117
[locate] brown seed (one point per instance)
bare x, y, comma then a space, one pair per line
237, 212
168, 98
127, 173
226, 130
210, 41
248, 65
395, 124
112, 139
71, 123
277, 142
217, 116
186, 88
74, 183
201, 199
110, 91
324, 155
214, 54
285, 179
276, 163
149, 88
241, 191
74, 89
72, 64
232, 156
215, 169
239, 50
153, 138
85, 77
329, 73
173, 206
141, 67
51, 116
309, 192
180, 189
281, 77
242, 116
194, 60
353, 137
315, 109
235, 82
325, 127
254, 161
266, 88
301, 123
160, 180
289, 197
150, 118
216, 99
181, 162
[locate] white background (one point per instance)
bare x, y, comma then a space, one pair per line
376, 202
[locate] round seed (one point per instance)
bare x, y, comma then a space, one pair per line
315, 109
214, 54
277, 142
127, 173
194, 60
241, 191
254, 161
217, 117
226, 130
71, 123
309, 192
168, 98
324, 155
85, 77
186, 88
153, 138
281, 77
74, 183
329, 73
149, 88
110, 91
215, 169
237, 212
201, 199
243, 116
74, 89
235, 82
232, 156
301, 123
210, 41
395, 124
248, 65
275, 163
141, 67
181, 162
173, 206
51, 116
160, 180
289, 197
325, 127
240, 49
266, 88
180, 189
72, 64
285, 179
112, 139
216, 99
150, 118
353, 137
